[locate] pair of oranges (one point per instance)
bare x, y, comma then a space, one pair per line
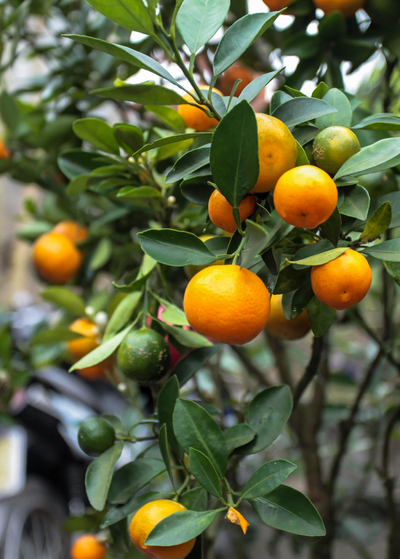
347, 7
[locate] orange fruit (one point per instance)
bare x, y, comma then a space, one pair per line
72, 230
305, 196
95, 372
236, 72
343, 282
192, 269
221, 212
280, 327
56, 258
277, 151
276, 5
4, 151
227, 303
333, 146
347, 7
88, 547
82, 346
196, 118
144, 521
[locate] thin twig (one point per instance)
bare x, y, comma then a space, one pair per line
311, 370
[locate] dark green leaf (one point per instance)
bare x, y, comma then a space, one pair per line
321, 317
9, 111
75, 162
393, 269
356, 202
54, 336
321, 258
195, 499
129, 137
394, 199
142, 93
99, 475
238, 435
379, 156
388, 250
132, 477
189, 364
96, 132
290, 279
251, 91
205, 473
294, 303
64, 298
122, 314
257, 238
188, 163
302, 109
311, 250
199, 20
139, 192
180, 527
380, 121
332, 227
164, 449
173, 140
378, 223
196, 190
267, 478
167, 398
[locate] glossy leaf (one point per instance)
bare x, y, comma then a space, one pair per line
175, 248
302, 109
99, 475
289, 510
239, 37
267, 415
190, 363
172, 140
321, 317
290, 279
196, 190
142, 93
381, 155
129, 137
64, 298
388, 250
356, 202
195, 428
199, 20
188, 163
257, 238
321, 258
378, 223
181, 527
332, 228
132, 477
238, 435
96, 132
394, 199
205, 473
166, 401
311, 250
169, 116
302, 158
139, 192
195, 499
122, 314
344, 114
187, 338
164, 449
131, 14
295, 303
255, 87
380, 121
267, 478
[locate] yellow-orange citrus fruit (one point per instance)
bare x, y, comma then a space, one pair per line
88, 547
95, 372
221, 212
305, 196
56, 258
192, 269
343, 282
333, 146
227, 303
277, 151
236, 72
82, 346
196, 118
275, 5
144, 521
280, 327
347, 7
4, 151
72, 230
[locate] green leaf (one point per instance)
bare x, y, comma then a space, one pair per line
129, 137
172, 140
302, 109
379, 156
96, 132
294, 303
190, 363
139, 192
290, 279
195, 499
195, 428
31, 231
99, 475
356, 202
311, 250
344, 115
132, 477
288, 509
199, 20
181, 527
131, 14
131, 56
122, 315
175, 248
267, 415
251, 91
321, 317
321, 258
196, 190
278, 98
142, 93
102, 352
249, 28
380, 121
173, 314
388, 250
169, 116
257, 238
164, 449
393, 269
167, 398
54, 336
332, 228
378, 223
64, 298
321, 90
277, 229
302, 158
9, 111
101, 255
75, 162
188, 163
267, 478
394, 199
187, 338
234, 153
78, 184
238, 435
205, 473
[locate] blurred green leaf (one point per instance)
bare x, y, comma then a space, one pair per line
99, 475
199, 20
64, 298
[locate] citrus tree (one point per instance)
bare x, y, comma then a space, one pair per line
147, 203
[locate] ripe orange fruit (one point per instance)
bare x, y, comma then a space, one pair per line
144, 521
56, 258
280, 327
305, 196
192, 269
347, 7
227, 303
277, 151
343, 282
333, 146
88, 547
4, 151
276, 5
82, 346
72, 230
221, 212
196, 118
236, 72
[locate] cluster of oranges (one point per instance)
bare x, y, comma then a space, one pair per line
347, 7
231, 304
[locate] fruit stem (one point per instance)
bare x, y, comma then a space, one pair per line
182, 488
239, 250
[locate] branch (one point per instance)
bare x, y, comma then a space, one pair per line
250, 366
282, 364
311, 370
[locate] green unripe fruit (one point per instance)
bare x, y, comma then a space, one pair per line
333, 147
144, 356
95, 436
